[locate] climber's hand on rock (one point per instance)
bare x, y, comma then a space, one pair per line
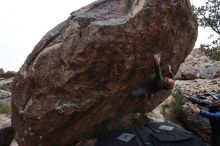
169, 68
157, 58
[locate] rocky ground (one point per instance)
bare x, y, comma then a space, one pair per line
198, 66
198, 75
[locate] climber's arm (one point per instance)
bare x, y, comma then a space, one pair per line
202, 102
157, 67
209, 115
170, 75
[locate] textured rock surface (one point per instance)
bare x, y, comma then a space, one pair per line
196, 123
200, 87
1, 72
5, 93
6, 82
77, 80
9, 74
198, 66
5, 97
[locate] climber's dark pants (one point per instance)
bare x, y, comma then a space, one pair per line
215, 140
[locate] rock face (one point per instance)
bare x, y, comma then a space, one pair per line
1, 72
76, 82
9, 74
198, 66
5, 96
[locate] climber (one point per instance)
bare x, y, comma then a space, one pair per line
6, 136
213, 115
158, 83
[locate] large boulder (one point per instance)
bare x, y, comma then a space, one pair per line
9, 74
4, 94
77, 80
1, 73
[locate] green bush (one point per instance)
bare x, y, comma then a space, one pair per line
212, 52
172, 110
5, 109
5, 87
176, 107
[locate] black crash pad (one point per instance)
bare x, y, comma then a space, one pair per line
153, 134
169, 134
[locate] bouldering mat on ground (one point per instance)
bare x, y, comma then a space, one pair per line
153, 134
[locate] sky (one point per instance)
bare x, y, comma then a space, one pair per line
24, 22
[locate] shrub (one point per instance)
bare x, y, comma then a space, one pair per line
6, 87
5, 108
172, 110
176, 107
213, 53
